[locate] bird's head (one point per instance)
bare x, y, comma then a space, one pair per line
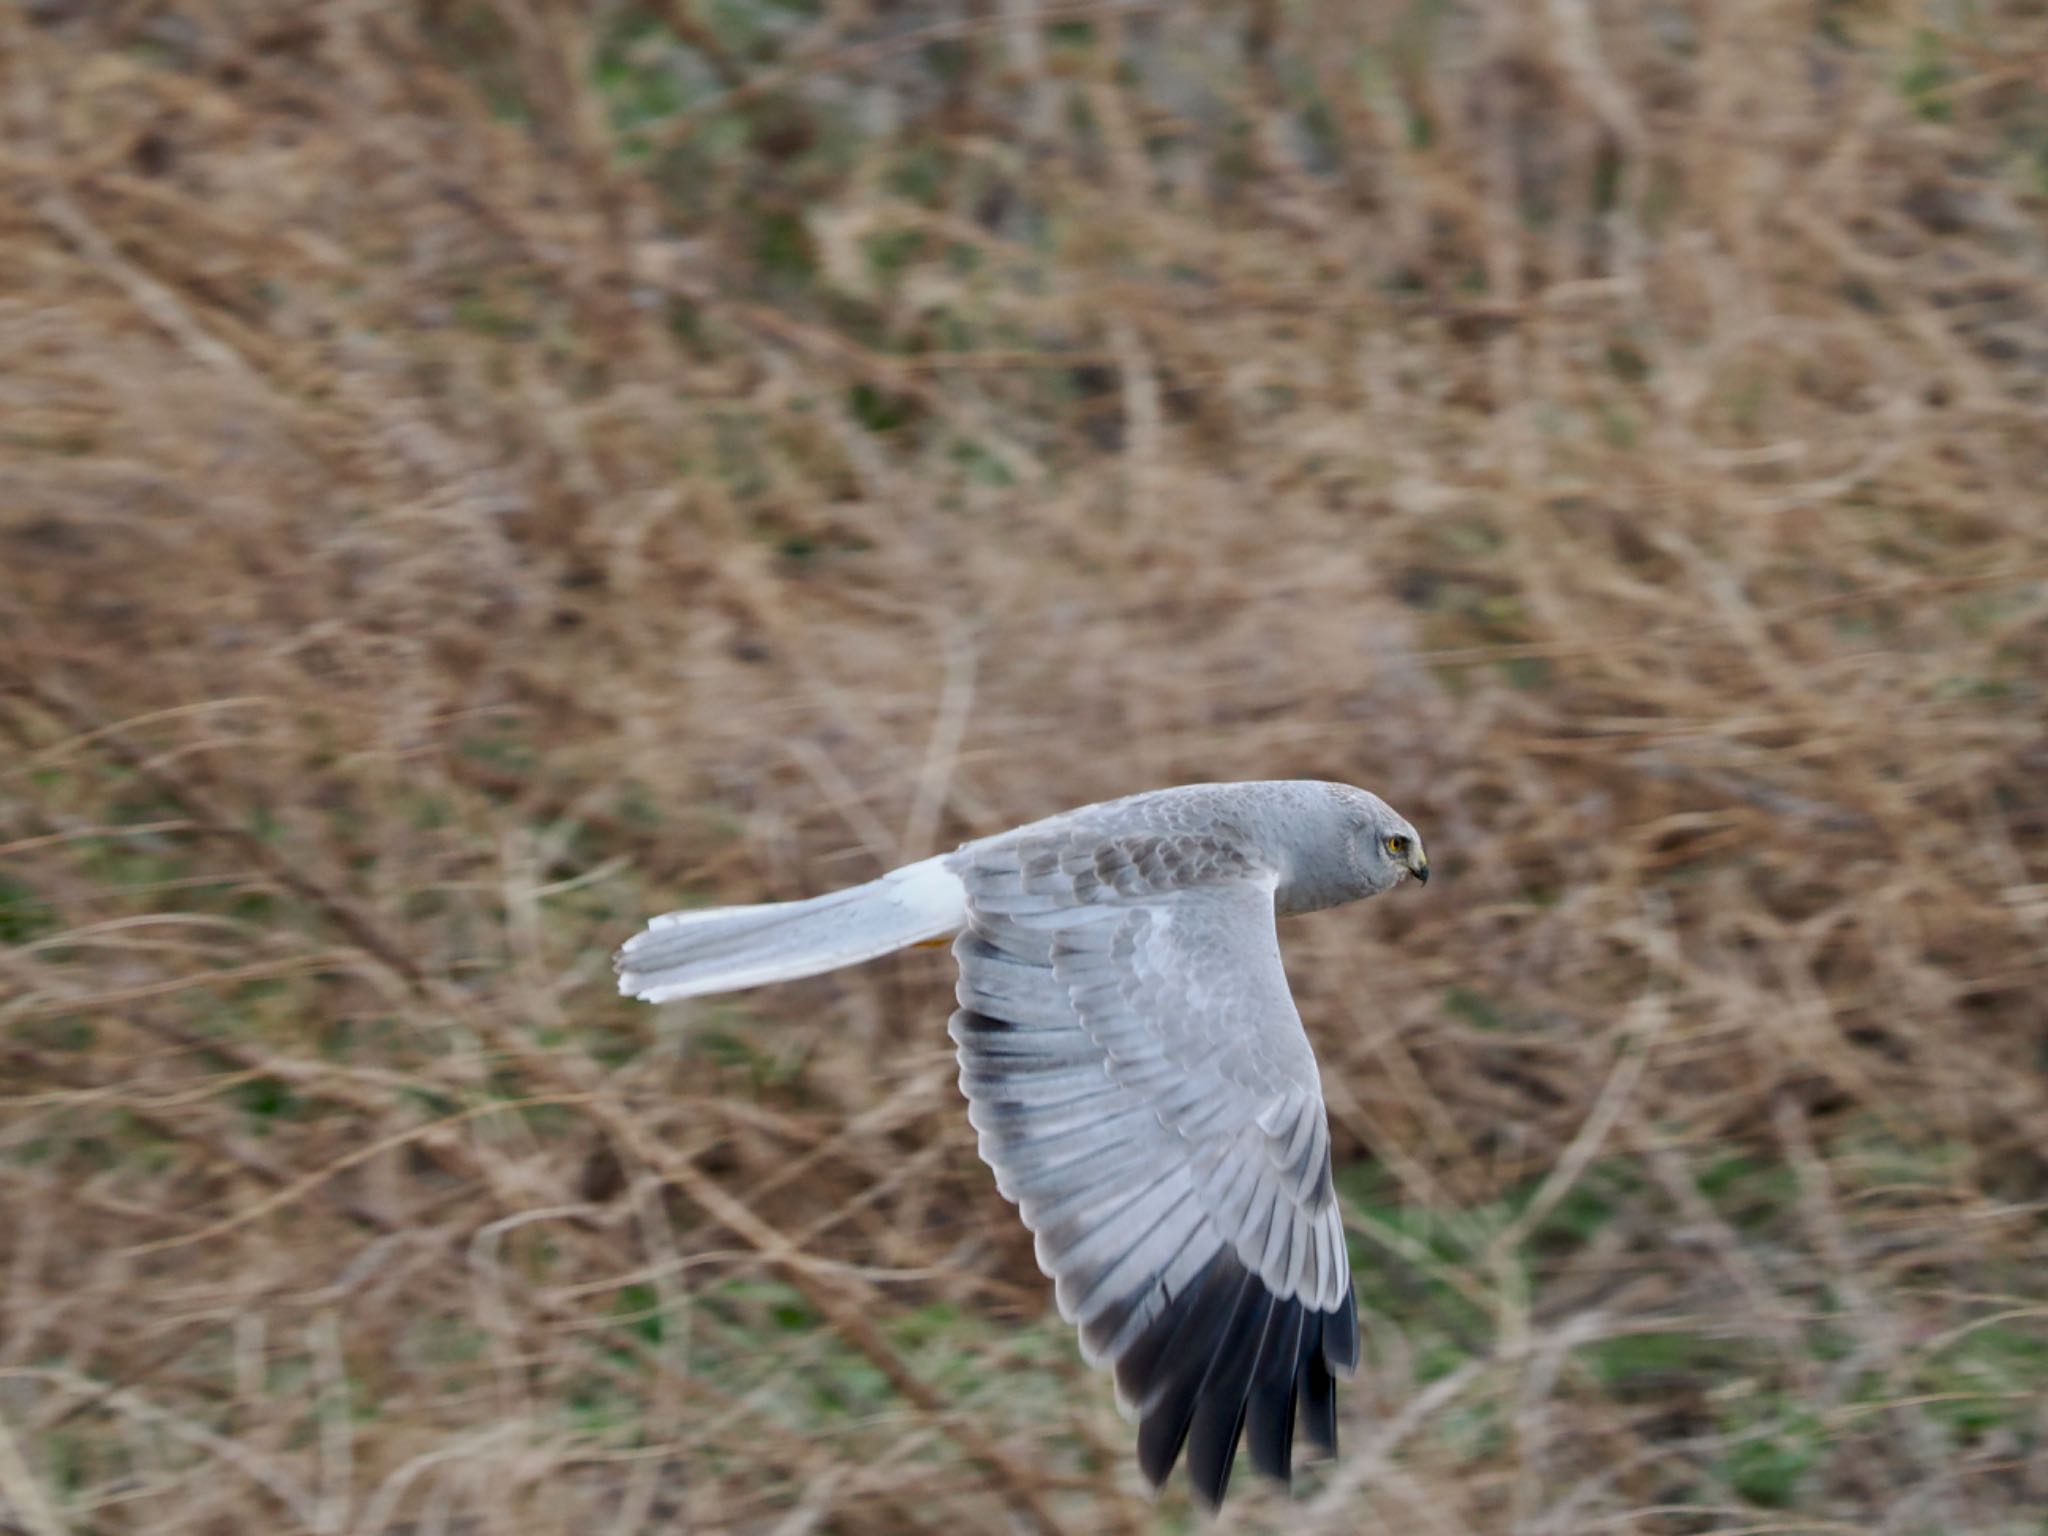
1350, 846
1385, 849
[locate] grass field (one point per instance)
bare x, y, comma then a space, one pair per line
476, 473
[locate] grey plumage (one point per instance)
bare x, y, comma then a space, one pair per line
1138, 1077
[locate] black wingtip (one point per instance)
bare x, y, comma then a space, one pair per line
1340, 1334
1227, 1361
1269, 1425
1163, 1371
1220, 1410
1318, 1391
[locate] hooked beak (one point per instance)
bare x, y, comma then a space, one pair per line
1418, 866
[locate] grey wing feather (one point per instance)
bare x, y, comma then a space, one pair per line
1143, 1089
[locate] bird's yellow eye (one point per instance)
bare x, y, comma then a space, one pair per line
1397, 845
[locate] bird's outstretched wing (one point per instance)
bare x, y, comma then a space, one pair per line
1143, 1090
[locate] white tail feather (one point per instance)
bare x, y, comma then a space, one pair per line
727, 949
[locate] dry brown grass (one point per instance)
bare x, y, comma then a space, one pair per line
474, 474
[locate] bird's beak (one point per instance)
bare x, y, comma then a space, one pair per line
1418, 866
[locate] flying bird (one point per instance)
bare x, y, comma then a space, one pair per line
1138, 1076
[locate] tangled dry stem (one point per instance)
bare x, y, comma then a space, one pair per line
475, 474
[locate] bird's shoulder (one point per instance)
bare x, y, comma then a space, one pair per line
1150, 844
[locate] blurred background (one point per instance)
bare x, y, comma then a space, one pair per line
474, 474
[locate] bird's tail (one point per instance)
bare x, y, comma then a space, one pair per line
726, 949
